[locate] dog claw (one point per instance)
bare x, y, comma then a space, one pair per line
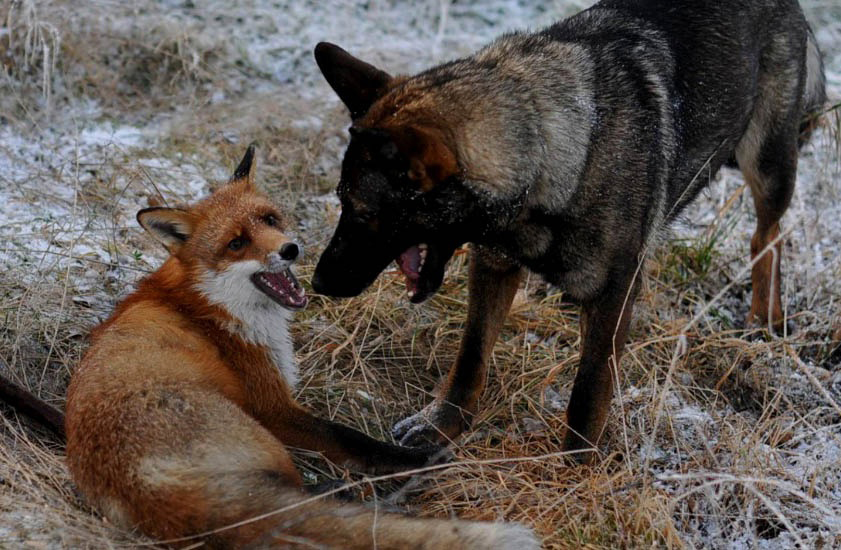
420, 436
435, 424
404, 429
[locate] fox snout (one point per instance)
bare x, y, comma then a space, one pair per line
283, 257
290, 251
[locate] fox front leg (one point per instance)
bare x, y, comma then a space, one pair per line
297, 427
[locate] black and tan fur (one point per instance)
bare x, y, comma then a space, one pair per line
181, 414
565, 152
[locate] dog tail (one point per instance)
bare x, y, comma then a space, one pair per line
814, 93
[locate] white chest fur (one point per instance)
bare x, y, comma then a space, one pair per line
260, 320
271, 329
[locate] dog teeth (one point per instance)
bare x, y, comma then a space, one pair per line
422, 248
411, 293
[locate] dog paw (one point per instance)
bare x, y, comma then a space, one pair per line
757, 328
413, 424
419, 430
436, 424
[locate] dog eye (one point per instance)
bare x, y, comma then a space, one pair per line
270, 220
365, 216
237, 243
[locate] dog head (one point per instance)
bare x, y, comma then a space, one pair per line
401, 187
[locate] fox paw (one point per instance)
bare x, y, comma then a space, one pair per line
434, 454
400, 458
336, 487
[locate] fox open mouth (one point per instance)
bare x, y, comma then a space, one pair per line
282, 287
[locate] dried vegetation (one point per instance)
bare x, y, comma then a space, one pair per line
719, 438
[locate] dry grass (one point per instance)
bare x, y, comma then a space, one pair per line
716, 437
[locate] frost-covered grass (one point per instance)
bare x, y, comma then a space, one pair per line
717, 439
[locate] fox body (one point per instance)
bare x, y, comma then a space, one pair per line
565, 152
179, 413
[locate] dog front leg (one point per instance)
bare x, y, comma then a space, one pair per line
491, 287
604, 328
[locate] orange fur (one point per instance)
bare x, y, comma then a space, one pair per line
177, 418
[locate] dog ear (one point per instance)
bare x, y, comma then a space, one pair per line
358, 84
170, 226
245, 170
431, 160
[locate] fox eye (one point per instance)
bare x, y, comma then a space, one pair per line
237, 243
270, 220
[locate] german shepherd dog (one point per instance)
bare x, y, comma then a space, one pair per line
565, 152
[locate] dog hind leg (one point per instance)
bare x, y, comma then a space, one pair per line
766, 250
767, 156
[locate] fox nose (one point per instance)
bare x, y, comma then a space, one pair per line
289, 251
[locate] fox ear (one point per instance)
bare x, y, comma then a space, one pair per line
431, 160
170, 226
358, 84
246, 168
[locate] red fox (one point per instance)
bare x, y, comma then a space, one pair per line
178, 415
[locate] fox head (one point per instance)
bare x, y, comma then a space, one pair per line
402, 192
232, 246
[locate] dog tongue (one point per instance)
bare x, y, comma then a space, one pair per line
409, 264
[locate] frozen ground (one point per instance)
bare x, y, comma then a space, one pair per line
105, 105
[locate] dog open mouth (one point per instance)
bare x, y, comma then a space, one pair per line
423, 266
282, 287
423, 269
411, 263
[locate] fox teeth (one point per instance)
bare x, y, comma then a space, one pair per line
422, 248
411, 293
